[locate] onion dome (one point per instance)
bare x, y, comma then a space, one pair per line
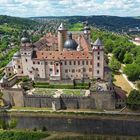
25, 38
17, 55
70, 44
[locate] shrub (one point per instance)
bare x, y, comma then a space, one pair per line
44, 129
133, 100
12, 123
132, 71
25, 79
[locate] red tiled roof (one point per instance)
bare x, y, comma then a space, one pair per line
64, 55
47, 41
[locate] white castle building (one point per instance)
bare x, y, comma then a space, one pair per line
65, 57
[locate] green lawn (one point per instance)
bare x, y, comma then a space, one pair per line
77, 27
51, 92
74, 92
45, 91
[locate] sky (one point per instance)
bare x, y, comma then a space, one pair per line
34, 8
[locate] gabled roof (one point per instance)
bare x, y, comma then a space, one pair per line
98, 42
61, 27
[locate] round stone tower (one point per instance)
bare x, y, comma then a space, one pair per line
62, 36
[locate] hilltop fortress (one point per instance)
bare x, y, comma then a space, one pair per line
65, 57
62, 59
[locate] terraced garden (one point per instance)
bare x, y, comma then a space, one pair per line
65, 92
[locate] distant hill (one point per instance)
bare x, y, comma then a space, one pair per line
112, 23
16, 21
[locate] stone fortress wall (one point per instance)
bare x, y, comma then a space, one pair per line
17, 97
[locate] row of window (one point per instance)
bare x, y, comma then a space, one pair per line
79, 70
82, 62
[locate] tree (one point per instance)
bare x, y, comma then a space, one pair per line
133, 100
132, 71
114, 64
128, 58
137, 61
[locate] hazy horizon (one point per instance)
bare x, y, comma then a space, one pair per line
36, 8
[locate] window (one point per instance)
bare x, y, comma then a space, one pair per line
57, 71
50, 69
79, 70
74, 62
83, 62
91, 62
78, 62
84, 69
26, 60
98, 57
56, 64
98, 53
69, 62
73, 70
87, 62
51, 63
65, 62
98, 71
33, 62
38, 63
98, 64
90, 69
66, 71
46, 63
18, 67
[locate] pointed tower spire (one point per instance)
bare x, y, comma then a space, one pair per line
62, 35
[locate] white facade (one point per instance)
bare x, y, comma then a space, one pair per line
58, 65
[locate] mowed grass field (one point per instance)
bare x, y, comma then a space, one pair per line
122, 82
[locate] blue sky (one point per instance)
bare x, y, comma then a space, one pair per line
28, 8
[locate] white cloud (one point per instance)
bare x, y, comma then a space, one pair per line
69, 7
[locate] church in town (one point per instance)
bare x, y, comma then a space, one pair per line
65, 56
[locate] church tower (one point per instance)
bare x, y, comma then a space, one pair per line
98, 59
62, 36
